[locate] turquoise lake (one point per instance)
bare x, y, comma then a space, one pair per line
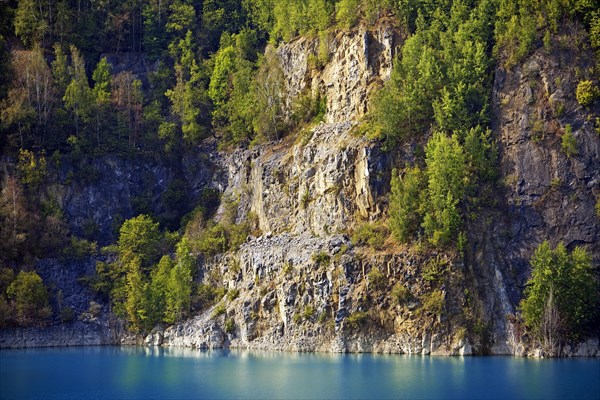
141, 373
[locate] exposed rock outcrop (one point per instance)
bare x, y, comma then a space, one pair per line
320, 187
358, 61
303, 285
548, 195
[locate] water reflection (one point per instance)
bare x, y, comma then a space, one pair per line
153, 372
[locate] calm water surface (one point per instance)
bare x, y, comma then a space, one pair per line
138, 372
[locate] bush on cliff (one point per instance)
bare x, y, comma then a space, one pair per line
561, 297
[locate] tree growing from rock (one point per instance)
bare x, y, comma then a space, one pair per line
561, 298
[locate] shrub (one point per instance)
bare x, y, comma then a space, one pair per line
586, 93
79, 249
568, 142
30, 298
287, 268
233, 294
357, 319
95, 309
433, 302
561, 297
433, 271
206, 295
308, 312
321, 258
229, 326
400, 294
67, 314
219, 310
370, 234
376, 279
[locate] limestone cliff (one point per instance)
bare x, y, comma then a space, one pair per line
304, 286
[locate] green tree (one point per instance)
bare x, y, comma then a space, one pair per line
404, 106
446, 182
568, 142
481, 155
586, 93
137, 305
270, 91
182, 17
30, 24
231, 88
561, 298
406, 202
159, 288
30, 298
60, 69
102, 95
155, 38
179, 284
32, 169
127, 98
188, 95
140, 237
346, 13
78, 95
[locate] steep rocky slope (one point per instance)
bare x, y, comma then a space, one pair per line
304, 286
548, 195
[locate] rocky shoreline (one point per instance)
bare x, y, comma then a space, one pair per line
198, 334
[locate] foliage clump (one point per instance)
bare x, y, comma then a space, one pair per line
430, 201
29, 299
560, 300
372, 234
586, 92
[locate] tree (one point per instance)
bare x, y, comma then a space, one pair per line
78, 95
102, 95
139, 237
30, 24
159, 287
182, 17
179, 284
127, 97
270, 93
561, 298
137, 305
586, 92
36, 79
155, 33
231, 88
32, 169
60, 69
30, 298
404, 106
481, 155
346, 14
188, 96
406, 202
15, 222
446, 182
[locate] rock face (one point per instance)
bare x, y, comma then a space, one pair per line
547, 194
302, 285
358, 62
79, 333
305, 193
319, 187
307, 293
99, 196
